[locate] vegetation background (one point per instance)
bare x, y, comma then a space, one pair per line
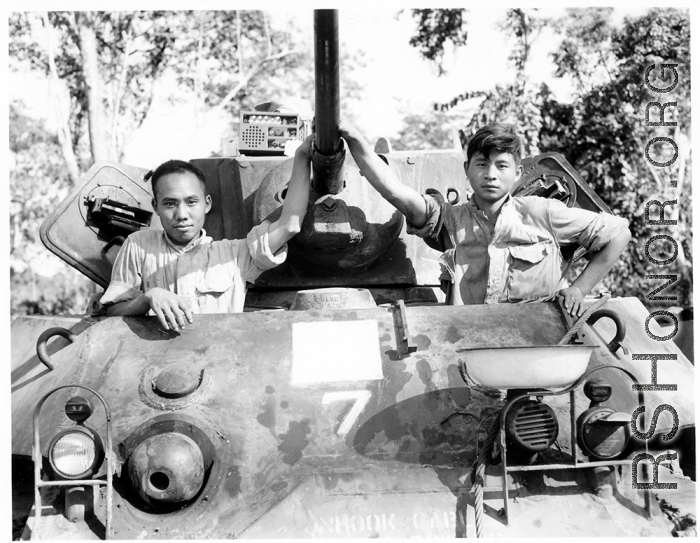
108, 71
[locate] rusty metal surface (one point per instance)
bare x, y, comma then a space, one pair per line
429, 503
337, 447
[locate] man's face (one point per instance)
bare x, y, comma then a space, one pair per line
181, 205
492, 177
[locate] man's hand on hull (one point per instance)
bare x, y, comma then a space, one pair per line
171, 309
573, 300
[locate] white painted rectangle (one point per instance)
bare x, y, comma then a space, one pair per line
335, 351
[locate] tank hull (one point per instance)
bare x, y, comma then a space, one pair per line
320, 426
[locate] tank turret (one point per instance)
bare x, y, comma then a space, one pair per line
350, 237
347, 226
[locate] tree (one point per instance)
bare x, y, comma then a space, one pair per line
105, 62
517, 102
38, 179
34, 184
604, 133
435, 27
109, 63
431, 130
234, 58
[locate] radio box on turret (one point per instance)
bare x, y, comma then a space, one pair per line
263, 132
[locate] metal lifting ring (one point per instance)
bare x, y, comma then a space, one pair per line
620, 328
43, 340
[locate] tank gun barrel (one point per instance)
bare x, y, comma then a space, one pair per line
329, 154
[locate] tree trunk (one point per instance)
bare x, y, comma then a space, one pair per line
99, 146
63, 128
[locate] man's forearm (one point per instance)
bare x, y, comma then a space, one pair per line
409, 202
294, 206
137, 306
297, 199
600, 263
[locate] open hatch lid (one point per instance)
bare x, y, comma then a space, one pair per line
87, 229
550, 175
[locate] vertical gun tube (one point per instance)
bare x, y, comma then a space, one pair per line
329, 154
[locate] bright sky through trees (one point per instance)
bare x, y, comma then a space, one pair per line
396, 81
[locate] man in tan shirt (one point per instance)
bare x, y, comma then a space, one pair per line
506, 249
180, 271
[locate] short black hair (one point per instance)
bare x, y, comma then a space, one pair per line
175, 166
495, 137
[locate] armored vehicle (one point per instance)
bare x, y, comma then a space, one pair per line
347, 400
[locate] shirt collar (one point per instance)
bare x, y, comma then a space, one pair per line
475, 208
200, 239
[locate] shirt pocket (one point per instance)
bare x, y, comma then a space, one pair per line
531, 271
214, 283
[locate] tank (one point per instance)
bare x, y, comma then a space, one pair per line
347, 400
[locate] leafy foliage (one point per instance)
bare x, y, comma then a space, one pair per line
222, 54
424, 131
604, 134
131, 51
518, 102
435, 28
36, 187
228, 58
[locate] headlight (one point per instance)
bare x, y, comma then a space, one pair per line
76, 453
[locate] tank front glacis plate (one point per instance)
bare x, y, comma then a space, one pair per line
308, 446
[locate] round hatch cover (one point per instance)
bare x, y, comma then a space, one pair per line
176, 381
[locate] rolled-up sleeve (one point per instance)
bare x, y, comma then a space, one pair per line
585, 228
126, 279
429, 229
255, 256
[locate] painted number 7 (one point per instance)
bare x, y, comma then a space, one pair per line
361, 398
